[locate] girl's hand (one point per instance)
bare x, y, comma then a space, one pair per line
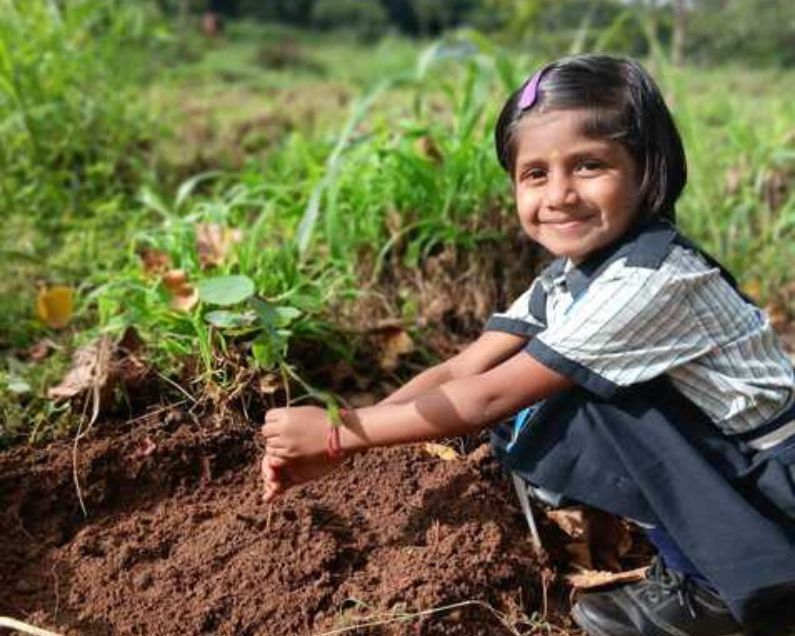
279, 474
296, 432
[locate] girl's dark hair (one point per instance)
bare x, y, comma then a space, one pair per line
624, 104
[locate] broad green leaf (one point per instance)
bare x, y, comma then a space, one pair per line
273, 316
17, 385
224, 319
226, 290
287, 315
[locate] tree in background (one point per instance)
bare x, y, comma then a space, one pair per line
366, 18
702, 31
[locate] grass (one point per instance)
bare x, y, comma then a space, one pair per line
334, 161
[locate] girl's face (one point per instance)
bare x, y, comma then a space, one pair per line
574, 194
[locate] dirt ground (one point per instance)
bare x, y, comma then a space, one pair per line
177, 541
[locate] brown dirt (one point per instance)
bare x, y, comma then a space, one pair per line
177, 540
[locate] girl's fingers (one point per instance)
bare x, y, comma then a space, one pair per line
271, 492
275, 462
278, 451
269, 430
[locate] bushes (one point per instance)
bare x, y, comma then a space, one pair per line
366, 18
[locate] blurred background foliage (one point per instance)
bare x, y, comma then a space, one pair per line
703, 31
335, 159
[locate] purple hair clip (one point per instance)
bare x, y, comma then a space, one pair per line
530, 91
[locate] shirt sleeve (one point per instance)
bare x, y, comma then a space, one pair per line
630, 325
520, 318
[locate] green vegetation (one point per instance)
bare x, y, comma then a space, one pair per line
311, 169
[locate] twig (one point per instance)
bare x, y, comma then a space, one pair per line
99, 373
149, 414
25, 628
176, 386
428, 612
75, 476
57, 594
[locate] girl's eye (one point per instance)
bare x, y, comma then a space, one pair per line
534, 174
590, 165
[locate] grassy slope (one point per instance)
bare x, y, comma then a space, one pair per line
271, 132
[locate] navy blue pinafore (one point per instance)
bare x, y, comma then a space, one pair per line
650, 455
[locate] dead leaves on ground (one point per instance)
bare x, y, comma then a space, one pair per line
89, 370
590, 579
55, 305
184, 294
598, 540
98, 367
441, 451
214, 243
393, 342
595, 545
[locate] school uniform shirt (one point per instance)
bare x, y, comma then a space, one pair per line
612, 322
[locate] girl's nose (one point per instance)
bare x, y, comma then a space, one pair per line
560, 191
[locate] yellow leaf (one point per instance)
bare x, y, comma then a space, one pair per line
55, 305
443, 452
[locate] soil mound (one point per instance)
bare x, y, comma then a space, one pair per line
177, 541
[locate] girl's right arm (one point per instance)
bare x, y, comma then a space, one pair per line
489, 350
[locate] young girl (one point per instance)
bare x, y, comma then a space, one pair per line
660, 392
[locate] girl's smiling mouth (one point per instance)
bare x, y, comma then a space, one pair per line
567, 223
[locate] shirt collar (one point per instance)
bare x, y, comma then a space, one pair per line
578, 277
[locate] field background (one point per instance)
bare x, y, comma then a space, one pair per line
333, 155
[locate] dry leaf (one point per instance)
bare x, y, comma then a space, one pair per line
55, 305
579, 554
270, 383
89, 370
598, 538
426, 147
154, 261
572, 521
213, 242
777, 314
40, 350
609, 538
184, 296
443, 452
394, 343
597, 578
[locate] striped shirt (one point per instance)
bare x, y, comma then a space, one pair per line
630, 324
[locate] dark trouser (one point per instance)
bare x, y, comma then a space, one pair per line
650, 455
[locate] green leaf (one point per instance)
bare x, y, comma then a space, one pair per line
268, 350
286, 315
226, 290
273, 316
224, 319
18, 385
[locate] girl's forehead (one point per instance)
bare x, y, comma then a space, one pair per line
556, 131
